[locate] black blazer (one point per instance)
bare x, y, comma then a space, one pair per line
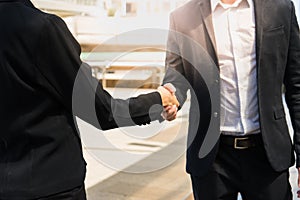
192, 64
40, 149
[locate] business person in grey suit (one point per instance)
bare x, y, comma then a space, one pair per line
235, 55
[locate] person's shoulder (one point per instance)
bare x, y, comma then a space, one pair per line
34, 19
282, 7
187, 13
282, 3
186, 8
49, 19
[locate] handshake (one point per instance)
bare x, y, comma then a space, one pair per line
169, 101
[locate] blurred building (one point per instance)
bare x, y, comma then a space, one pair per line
100, 26
148, 7
100, 7
65, 8
94, 22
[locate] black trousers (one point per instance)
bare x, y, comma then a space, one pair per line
244, 171
77, 193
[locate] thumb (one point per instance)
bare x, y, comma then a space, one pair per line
170, 87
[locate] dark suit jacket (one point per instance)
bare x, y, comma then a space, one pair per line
192, 64
40, 149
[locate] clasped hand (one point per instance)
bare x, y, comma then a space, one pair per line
169, 101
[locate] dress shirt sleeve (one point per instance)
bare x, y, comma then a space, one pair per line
69, 81
292, 82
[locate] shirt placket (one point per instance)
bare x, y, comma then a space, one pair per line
238, 64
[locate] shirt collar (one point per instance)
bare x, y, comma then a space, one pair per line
215, 3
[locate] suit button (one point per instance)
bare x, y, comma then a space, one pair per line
215, 114
217, 81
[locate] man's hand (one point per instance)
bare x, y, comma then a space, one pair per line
168, 97
170, 110
170, 113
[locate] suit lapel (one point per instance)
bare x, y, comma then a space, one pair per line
205, 9
258, 10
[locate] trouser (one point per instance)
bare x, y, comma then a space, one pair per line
244, 171
77, 193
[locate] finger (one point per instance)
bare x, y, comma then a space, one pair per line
166, 96
169, 117
167, 108
175, 101
171, 114
172, 117
170, 87
171, 110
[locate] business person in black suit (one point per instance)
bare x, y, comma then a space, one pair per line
234, 56
40, 150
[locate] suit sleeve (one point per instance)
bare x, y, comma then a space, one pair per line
292, 82
174, 64
69, 81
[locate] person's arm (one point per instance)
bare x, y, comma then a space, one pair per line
292, 83
175, 73
70, 82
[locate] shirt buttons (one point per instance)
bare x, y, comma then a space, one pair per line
215, 114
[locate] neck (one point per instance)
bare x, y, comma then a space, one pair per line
228, 1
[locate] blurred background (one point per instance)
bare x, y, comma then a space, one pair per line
98, 26
124, 43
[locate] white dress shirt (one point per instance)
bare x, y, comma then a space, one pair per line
234, 28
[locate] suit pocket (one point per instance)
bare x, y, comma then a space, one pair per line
274, 36
278, 30
275, 46
279, 113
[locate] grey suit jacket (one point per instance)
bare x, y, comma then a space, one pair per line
192, 65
